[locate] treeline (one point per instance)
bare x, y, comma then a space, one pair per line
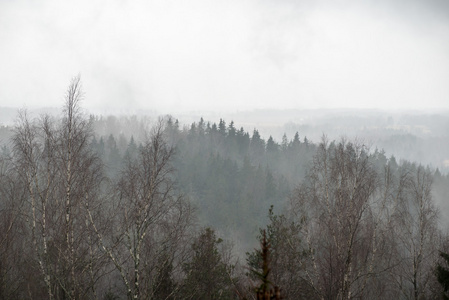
69, 231
355, 229
231, 176
140, 213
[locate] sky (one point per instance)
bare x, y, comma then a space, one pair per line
234, 55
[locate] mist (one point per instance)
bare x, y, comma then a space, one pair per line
233, 56
146, 144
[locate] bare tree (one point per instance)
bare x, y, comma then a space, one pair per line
150, 218
371, 231
416, 232
62, 177
339, 227
12, 249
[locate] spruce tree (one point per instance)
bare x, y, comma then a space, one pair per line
442, 274
207, 273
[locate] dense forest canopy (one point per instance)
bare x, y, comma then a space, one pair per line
114, 208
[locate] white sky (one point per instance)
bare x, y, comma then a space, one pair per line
180, 56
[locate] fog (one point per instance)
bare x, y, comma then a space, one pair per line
371, 71
211, 114
180, 57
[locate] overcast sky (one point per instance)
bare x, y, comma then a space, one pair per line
180, 56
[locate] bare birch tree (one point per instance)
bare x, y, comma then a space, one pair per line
416, 232
12, 248
371, 232
62, 177
335, 205
150, 219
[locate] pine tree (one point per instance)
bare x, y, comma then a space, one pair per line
222, 127
164, 286
207, 273
442, 274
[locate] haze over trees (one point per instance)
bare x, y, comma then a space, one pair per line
160, 211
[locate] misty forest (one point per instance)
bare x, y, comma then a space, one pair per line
95, 207
226, 149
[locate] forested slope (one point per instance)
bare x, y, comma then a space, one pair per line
115, 208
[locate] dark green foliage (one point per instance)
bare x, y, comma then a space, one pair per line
266, 290
286, 258
442, 274
110, 296
164, 286
231, 177
207, 275
258, 262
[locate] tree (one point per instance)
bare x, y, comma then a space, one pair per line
284, 143
222, 127
164, 287
261, 270
150, 219
62, 177
231, 130
208, 276
286, 257
131, 151
371, 228
334, 204
256, 147
12, 245
442, 274
272, 146
295, 143
243, 142
416, 232
113, 157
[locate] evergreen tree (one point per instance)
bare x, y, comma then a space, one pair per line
164, 286
113, 157
257, 147
306, 141
207, 273
201, 127
442, 274
231, 129
131, 151
222, 127
296, 141
100, 150
272, 146
284, 144
287, 255
192, 131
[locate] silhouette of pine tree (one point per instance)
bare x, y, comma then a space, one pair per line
442, 274
266, 290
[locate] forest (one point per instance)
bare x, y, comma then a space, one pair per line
95, 207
